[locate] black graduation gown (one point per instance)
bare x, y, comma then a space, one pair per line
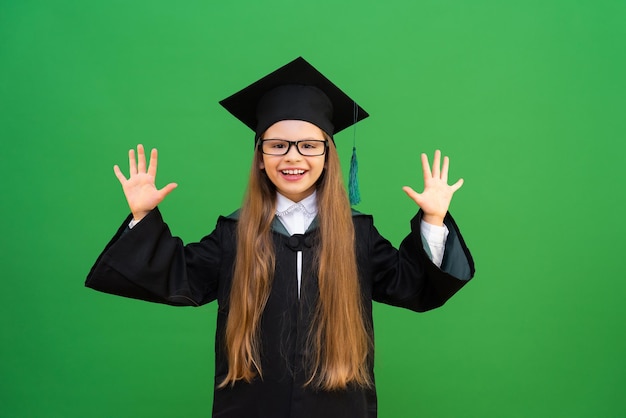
148, 263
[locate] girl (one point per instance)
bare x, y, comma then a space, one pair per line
294, 271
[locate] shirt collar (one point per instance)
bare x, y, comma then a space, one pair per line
285, 205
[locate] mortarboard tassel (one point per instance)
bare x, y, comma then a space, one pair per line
353, 181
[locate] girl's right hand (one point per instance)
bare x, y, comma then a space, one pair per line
140, 189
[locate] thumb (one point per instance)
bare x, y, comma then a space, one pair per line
167, 190
456, 186
412, 194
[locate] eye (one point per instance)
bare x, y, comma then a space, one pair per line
276, 144
311, 145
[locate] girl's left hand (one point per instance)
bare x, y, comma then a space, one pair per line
437, 194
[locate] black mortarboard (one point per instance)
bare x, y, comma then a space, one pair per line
295, 91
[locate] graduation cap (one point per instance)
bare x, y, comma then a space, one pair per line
297, 91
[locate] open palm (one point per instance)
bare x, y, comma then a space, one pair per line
437, 195
140, 189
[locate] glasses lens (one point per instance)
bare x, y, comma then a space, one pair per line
274, 146
312, 147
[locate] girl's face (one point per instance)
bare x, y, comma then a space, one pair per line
293, 174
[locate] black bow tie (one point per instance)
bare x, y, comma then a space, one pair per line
297, 242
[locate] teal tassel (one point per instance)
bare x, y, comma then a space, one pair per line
353, 182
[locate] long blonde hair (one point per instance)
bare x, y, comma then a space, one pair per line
339, 334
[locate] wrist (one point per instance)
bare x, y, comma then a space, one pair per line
138, 216
433, 219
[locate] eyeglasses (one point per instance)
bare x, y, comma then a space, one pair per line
306, 147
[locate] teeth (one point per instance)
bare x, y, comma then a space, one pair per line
293, 171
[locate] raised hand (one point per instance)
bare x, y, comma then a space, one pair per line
437, 194
140, 189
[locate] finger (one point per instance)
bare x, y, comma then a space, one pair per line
167, 190
456, 186
152, 169
426, 167
132, 162
141, 159
412, 194
436, 164
119, 175
444, 169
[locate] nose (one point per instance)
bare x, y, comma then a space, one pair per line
292, 153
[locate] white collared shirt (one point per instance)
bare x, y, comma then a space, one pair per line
297, 217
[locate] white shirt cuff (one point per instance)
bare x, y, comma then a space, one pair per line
436, 237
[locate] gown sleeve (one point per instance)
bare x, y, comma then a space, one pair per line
148, 263
407, 277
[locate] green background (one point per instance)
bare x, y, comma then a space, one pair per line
526, 97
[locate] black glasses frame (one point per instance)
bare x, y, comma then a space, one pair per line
293, 143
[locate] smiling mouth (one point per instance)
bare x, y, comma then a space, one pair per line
292, 172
